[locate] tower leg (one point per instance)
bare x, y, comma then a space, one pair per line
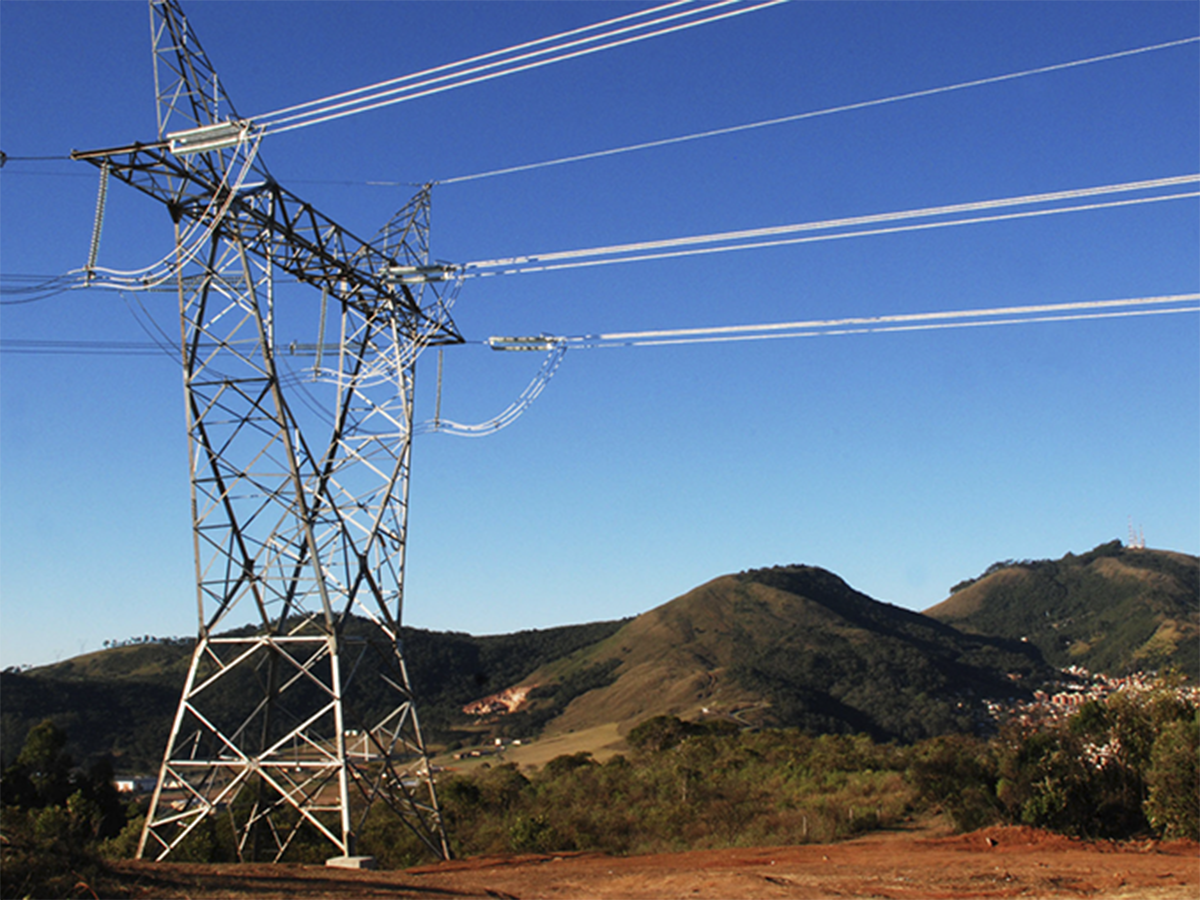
297, 716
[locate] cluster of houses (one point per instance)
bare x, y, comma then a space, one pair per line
1078, 687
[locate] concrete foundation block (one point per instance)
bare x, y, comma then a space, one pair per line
351, 862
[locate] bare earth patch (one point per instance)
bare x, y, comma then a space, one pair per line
993, 863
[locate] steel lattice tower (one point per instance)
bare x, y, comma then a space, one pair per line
303, 719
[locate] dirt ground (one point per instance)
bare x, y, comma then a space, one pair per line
993, 863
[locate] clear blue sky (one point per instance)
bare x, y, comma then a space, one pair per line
902, 462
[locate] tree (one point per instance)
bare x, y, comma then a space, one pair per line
41, 775
959, 774
1173, 805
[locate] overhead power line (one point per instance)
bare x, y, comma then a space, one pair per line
828, 111
644, 145
742, 239
450, 67
454, 75
924, 321
927, 321
778, 235
80, 348
556, 347
513, 412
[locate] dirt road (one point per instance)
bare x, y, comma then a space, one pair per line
994, 863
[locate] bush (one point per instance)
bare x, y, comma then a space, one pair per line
1174, 780
959, 774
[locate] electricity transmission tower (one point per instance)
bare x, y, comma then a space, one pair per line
296, 724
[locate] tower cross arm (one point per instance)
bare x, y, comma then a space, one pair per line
282, 229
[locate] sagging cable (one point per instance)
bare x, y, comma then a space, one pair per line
557, 350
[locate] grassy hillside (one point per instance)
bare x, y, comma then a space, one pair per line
120, 702
792, 646
127, 720
1111, 610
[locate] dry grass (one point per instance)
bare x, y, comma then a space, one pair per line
602, 741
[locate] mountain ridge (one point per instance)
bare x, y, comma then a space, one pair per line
788, 645
793, 645
1114, 609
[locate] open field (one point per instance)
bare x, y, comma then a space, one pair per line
602, 741
993, 863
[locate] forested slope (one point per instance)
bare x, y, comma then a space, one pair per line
1113, 609
793, 646
119, 702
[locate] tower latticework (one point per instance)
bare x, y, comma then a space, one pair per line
297, 715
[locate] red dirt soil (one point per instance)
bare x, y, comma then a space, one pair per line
993, 863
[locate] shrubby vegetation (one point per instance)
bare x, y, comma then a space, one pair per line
55, 818
683, 786
1120, 768
1125, 767
138, 640
1128, 767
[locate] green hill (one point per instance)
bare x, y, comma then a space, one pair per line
791, 646
119, 702
1112, 610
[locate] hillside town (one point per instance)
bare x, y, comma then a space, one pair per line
1079, 686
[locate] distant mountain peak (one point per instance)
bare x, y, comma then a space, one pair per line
791, 645
1113, 609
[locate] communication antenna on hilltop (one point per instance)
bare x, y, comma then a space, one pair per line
300, 723
1137, 540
